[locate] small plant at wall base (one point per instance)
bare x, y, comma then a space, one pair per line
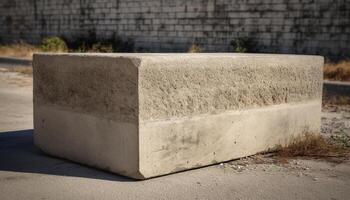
242, 45
195, 49
101, 48
54, 44
90, 43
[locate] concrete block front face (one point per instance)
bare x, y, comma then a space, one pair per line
145, 115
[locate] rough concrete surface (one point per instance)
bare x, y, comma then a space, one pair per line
183, 85
145, 115
27, 173
102, 86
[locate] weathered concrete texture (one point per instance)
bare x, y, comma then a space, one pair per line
145, 115
102, 86
186, 85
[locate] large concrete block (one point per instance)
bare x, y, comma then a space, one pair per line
145, 115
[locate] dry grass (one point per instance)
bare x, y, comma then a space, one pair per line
337, 71
20, 49
311, 145
21, 70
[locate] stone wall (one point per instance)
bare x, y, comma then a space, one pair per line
283, 26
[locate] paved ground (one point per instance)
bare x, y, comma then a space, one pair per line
26, 173
6, 62
16, 107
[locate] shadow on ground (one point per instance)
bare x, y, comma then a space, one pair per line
18, 154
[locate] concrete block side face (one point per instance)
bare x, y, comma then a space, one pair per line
202, 110
176, 145
86, 110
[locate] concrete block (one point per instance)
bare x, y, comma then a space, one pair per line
146, 115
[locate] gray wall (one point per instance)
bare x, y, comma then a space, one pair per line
284, 26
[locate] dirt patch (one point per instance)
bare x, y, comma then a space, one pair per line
336, 124
264, 162
336, 101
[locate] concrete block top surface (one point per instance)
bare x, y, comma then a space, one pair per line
149, 87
